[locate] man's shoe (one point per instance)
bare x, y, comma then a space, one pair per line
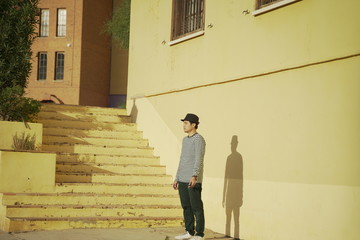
197, 238
186, 235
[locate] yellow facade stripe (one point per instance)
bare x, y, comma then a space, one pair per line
250, 76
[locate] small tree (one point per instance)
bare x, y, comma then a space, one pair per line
119, 25
18, 19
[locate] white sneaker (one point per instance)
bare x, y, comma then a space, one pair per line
186, 235
197, 238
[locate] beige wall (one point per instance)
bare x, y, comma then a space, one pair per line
66, 90
87, 54
295, 168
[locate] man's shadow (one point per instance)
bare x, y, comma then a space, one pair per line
233, 189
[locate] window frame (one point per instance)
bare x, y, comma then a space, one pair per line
60, 25
178, 20
44, 26
41, 74
269, 7
59, 67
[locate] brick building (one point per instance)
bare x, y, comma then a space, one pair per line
71, 56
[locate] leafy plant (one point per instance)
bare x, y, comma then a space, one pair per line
24, 142
18, 19
15, 107
119, 25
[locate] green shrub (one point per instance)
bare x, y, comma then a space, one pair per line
18, 19
24, 142
119, 26
15, 107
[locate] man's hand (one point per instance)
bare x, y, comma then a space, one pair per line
175, 185
192, 182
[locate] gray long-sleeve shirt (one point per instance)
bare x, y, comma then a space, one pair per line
191, 159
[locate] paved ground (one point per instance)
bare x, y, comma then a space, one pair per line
107, 234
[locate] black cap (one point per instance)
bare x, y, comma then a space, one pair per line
191, 118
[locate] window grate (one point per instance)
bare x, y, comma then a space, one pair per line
188, 17
61, 23
42, 65
59, 66
264, 3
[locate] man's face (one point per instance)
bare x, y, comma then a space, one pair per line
188, 126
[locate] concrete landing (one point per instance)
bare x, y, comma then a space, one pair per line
107, 234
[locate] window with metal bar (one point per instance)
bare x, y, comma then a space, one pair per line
42, 65
44, 23
188, 17
265, 3
61, 23
59, 66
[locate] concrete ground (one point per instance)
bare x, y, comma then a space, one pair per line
107, 234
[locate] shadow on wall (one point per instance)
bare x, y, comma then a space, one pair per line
50, 100
134, 112
233, 189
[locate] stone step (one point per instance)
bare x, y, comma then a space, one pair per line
83, 116
62, 177
83, 109
89, 199
61, 210
108, 159
80, 148
109, 142
101, 188
87, 125
72, 132
110, 168
36, 224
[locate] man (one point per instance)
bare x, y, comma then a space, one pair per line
189, 178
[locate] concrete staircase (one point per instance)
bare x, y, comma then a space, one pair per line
106, 176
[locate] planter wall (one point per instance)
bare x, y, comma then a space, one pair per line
9, 129
27, 172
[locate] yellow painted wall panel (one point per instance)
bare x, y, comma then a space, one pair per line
27, 172
237, 45
297, 132
294, 108
9, 129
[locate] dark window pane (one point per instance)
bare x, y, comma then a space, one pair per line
42, 66
59, 66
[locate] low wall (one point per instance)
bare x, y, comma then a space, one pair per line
27, 172
9, 129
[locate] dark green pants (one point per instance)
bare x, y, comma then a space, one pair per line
192, 206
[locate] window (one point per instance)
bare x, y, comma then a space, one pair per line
44, 23
42, 65
61, 23
59, 66
263, 6
188, 17
265, 3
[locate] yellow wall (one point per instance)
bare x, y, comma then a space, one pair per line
295, 168
9, 129
4, 221
27, 172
